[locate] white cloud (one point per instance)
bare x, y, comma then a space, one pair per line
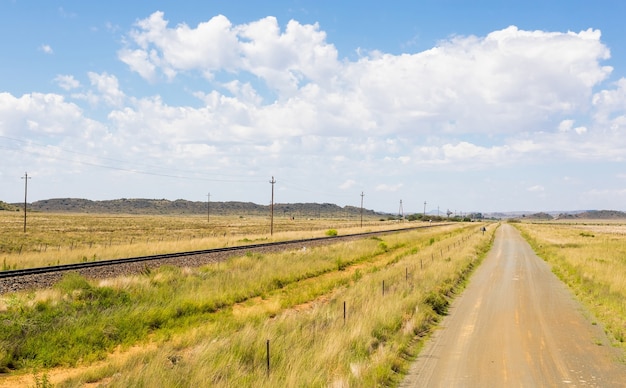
108, 87
212, 45
39, 113
536, 189
568, 125
347, 184
610, 197
271, 98
67, 82
503, 83
46, 49
390, 188
138, 61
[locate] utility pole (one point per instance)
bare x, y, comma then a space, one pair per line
424, 209
26, 178
362, 208
208, 208
272, 208
401, 211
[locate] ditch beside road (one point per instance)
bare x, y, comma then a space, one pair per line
516, 324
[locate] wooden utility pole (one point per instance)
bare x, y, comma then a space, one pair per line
424, 209
272, 208
26, 178
362, 208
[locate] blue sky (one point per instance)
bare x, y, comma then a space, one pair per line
493, 106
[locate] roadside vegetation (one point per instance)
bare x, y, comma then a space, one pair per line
591, 259
349, 314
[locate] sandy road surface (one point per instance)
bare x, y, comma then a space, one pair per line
516, 325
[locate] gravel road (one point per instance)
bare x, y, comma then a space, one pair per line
517, 325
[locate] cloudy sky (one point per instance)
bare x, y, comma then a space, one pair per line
498, 106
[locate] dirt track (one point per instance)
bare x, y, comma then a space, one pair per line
517, 325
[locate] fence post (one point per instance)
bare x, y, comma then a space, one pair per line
268, 357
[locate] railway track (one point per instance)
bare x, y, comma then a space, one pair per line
42, 277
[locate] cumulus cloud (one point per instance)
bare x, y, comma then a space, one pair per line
67, 82
568, 125
107, 87
505, 82
610, 107
39, 113
211, 46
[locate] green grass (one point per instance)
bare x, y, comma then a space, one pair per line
211, 324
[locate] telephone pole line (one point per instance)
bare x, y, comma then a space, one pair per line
362, 208
273, 181
26, 178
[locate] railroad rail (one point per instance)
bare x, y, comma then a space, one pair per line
38, 277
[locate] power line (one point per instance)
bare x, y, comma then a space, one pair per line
131, 170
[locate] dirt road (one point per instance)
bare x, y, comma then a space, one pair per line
517, 325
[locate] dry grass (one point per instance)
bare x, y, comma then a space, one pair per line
301, 314
53, 239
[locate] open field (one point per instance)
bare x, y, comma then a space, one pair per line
590, 257
210, 326
53, 239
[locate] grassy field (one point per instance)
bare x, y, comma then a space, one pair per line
350, 314
53, 239
590, 258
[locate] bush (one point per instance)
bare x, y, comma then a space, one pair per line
331, 232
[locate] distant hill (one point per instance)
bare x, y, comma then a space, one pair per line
595, 215
181, 206
540, 216
8, 207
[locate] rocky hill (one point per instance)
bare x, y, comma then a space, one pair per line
180, 206
595, 215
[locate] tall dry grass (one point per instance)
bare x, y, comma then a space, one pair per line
295, 300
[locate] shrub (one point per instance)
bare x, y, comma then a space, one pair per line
331, 232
